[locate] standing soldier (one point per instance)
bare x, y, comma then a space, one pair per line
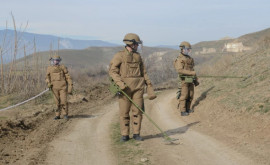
60, 82
184, 65
128, 72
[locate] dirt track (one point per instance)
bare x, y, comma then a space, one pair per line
194, 148
88, 142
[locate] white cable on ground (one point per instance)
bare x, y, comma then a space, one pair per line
25, 101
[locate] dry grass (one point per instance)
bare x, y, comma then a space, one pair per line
250, 94
23, 78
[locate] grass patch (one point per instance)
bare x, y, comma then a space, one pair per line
128, 152
12, 99
244, 84
3, 118
45, 98
264, 108
6, 101
262, 77
249, 108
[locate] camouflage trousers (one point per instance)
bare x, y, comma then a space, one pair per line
60, 97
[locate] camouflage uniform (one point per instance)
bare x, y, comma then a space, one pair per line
184, 65
59, 80
128, 72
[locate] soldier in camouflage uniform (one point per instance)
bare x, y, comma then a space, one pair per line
184, 65
60, 82
128, 72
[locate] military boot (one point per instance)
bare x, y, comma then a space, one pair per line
137, 137
190, 111
124, 138
56, 117
184, 113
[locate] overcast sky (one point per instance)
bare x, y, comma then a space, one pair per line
158, 22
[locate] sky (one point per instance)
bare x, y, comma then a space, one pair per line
157, 22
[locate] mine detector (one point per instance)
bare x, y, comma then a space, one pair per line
115, 89
192, 79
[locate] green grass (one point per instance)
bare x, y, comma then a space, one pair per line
7, 100
3, 118
128, 152
264, 108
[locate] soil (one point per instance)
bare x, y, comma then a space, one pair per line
26, 131
210, 135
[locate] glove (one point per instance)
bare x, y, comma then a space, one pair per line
70, 89
123, 86
196, 82
150, 92
50, 86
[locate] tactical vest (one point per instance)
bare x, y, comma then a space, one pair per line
57, 73
131, 65
187, 61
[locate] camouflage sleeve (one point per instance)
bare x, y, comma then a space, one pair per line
67, 76
48, 77
114, 71
179, 67
145, 75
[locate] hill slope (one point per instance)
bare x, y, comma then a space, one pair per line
243, 43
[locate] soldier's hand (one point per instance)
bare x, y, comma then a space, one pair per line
50, 86
70, 89
123, 87
150, 92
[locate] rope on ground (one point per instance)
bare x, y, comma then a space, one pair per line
25, 101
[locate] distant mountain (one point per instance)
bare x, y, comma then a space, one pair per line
44, 42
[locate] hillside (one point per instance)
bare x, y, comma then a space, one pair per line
88, 58
230, 124
243, 43
249, 94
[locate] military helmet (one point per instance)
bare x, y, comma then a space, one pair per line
56, 57
185, 44
132, 38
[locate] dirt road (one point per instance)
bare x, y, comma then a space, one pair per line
194, 148
89, 142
